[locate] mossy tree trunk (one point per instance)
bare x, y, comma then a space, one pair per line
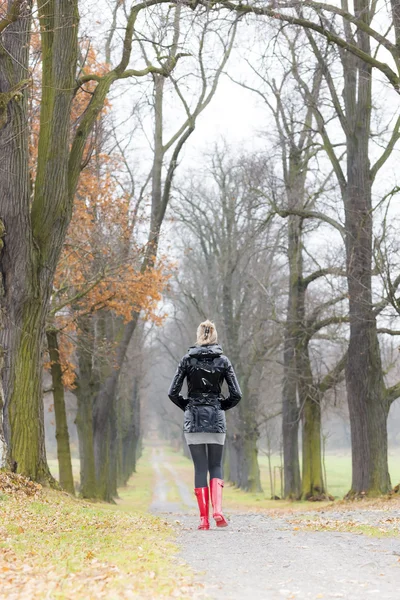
368, 407
312, 484
366, 394
36, 228
295, 182
62, 436
3, 445
85, 393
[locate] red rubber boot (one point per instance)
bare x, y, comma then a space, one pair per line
216, 486
204, 502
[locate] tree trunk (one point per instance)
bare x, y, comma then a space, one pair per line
85, 392
243, 435
23, 303
312, 480
290, 422
24, 402
290, 409
368, 408
3, 445
62, 435
364, 378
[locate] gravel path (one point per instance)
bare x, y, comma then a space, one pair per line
260, 557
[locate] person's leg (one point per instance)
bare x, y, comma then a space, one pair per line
216, 483
199, 456
214, 452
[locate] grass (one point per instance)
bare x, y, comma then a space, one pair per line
138, 493
338, 474
54, 545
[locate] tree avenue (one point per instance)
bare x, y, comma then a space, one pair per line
36, 206
362, 48
81, 243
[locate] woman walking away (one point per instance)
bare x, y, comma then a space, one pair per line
206, 367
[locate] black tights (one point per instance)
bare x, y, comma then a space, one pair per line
206, 457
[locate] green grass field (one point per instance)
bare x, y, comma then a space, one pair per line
338, 469
138, 492
338, 472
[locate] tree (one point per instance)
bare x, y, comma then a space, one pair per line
298, 185
368, 398
224, 277
336, 25
36, 213
165, 156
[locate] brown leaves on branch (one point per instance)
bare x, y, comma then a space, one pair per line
100, 264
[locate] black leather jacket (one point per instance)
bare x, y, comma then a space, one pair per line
205, 367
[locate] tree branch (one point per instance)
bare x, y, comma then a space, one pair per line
312, 214
332, 378
243, 9
392, 393
323, 273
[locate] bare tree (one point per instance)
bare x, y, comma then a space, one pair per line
229, 263
298, 185
176, 31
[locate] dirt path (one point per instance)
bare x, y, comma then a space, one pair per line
268, 558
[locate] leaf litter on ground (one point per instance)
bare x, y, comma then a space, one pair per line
56, 546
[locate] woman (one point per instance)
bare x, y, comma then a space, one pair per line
206, 367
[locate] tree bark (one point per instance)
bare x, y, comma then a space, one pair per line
62, 435
85, 393
364, 377
290, 408
312, 485
3, 445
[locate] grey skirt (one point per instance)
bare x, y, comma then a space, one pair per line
205, 438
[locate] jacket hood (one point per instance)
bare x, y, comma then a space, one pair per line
206, 350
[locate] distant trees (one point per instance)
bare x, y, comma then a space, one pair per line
85, 281
98, 284
228, 264
368, 397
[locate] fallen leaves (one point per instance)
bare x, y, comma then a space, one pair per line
386, 526
12, 483
57, 547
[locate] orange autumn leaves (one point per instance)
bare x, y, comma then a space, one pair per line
100, 265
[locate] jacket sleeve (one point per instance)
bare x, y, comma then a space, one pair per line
235, 393
176, 386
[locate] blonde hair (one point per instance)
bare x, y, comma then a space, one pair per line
206, 333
